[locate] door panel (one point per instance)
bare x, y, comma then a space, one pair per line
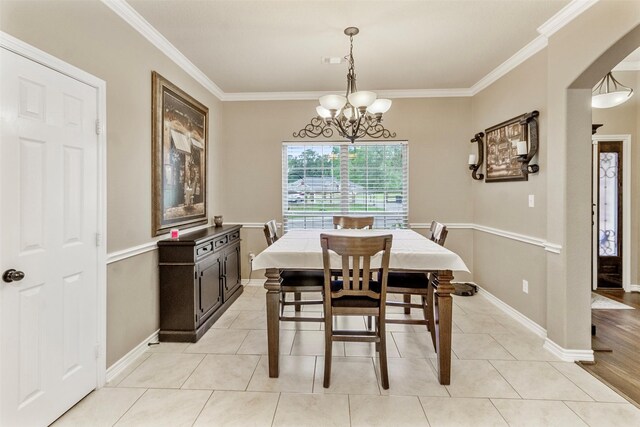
231, 270
209, 286
48, 222
609, 220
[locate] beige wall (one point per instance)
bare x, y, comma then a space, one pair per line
438, 131
88, 35
625, 120
501, 264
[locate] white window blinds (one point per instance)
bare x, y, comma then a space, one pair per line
320, 180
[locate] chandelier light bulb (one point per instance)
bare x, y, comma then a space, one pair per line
323, 112
379, 106
362, 98
332, 102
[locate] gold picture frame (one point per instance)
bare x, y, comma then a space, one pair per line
180, 128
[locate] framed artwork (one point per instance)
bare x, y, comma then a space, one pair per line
502, 154
179, 145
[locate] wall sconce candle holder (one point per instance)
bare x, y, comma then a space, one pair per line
531, 121
475, 163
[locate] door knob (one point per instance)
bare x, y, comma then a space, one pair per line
12, 275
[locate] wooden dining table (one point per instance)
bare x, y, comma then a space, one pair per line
410, 251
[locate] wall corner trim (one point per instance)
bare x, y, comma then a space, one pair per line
568, 355
564, 16
512, 312
118, 367
133, 18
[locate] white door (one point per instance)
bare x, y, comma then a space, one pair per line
48, 225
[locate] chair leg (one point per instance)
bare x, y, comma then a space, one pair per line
297, 296
377, 329
425, 311
283, 298
369, 322
328, 347
384, 373
407, 300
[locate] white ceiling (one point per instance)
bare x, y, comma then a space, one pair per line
277, 46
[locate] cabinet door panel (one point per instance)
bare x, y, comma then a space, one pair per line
209, 286
231, 270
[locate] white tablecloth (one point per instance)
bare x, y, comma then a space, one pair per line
300, 249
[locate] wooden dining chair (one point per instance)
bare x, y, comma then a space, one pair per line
408, 284
341, 221
296, 282
355, 294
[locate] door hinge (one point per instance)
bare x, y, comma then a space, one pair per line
98, 127
98, 239
97, 351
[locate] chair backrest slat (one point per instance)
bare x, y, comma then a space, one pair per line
270, 234
341, 221
438, 232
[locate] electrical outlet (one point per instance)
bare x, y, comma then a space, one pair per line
525, 286
251, 256
532, 200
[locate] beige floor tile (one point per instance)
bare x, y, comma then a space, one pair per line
525, 347
163, 370
414, 345
477, 378
367, 349
476, 304
538, 380
311, 343
115, 381
256, 342
225, 320
100, 408
250, 290
250, 320
238, 409
412, 377
397, 411
299, 410
478, 346
536, 413
479, 324
348, 375
250, 302
169, 408
301, 326
588, 383
296, 375
168, 347
600, 414
352, 323
219, 341
223, 372
399, 327
449, 412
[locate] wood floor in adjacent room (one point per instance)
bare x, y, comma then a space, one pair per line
618, 331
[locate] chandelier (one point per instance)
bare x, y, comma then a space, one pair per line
356, 115
609, 93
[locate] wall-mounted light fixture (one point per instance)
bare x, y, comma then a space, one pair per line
476, 161
527, 151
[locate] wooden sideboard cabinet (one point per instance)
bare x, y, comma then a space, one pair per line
199, 280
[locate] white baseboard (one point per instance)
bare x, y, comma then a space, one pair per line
634, 288
568, 355
521, 318
122, 364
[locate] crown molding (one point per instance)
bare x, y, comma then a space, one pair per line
627, 66
555, 23
133, 18
564, 16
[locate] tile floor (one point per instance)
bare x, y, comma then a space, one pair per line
501, 375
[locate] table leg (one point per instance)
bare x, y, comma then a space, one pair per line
443, 324
272, 285
407, 300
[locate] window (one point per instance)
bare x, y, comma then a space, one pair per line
321, 180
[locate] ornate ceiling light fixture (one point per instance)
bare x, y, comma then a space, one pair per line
610, 93
356, 115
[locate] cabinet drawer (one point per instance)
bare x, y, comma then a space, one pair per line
220, 242
204, 250
234, 236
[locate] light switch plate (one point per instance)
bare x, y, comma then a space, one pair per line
525, 286
532, 200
